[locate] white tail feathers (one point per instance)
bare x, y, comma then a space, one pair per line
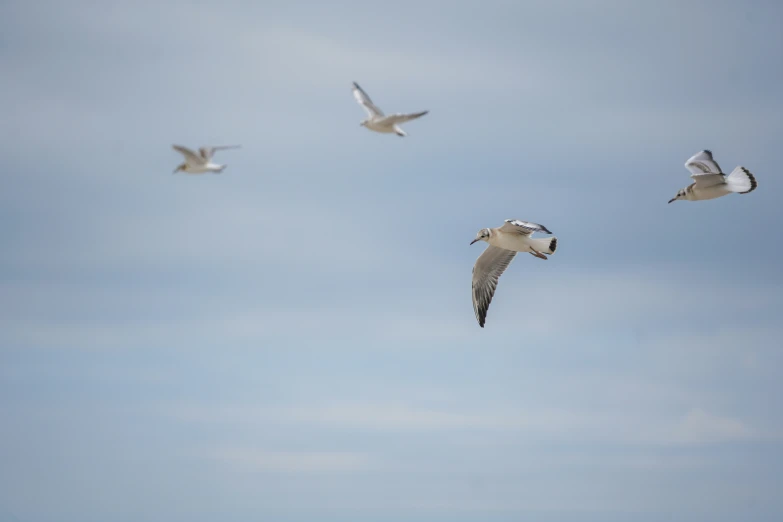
545, 245
741, 180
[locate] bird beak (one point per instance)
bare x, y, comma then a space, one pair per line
673, 199
474, 241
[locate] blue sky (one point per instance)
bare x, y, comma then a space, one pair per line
294, 340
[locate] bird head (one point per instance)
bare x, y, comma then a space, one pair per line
680, 195
482, 235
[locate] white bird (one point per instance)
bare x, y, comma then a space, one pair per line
504, 243
201, 162
710, 183
379, 122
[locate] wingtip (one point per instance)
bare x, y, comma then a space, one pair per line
481, 318
752, 178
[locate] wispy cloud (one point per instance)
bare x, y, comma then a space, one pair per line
255, 460
699, 426
632, 427
650, 309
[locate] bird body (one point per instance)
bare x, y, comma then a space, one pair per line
709, 182
200, 162
515, 235
202, 169
388, 124
519, 242
694, 193
379, 122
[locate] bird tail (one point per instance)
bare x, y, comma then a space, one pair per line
741, 180
545, 245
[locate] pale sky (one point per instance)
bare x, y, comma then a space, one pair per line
294, 340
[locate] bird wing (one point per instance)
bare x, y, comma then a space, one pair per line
489, 266
400, 118
523, 227
208, 152
708, 180
190, 156
702, 163
372, 110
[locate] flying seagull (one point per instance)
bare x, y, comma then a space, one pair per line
504, 243
710, 183
379, 122
201, 161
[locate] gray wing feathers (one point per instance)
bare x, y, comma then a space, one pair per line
208, 152
489, 266
523, 227
365, 101
708, 180
702, 163
400, 118
190, 156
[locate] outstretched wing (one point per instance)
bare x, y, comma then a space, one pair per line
523, 227
208, 152
702, 163
401, 118
372, 110
489, 266
190, 156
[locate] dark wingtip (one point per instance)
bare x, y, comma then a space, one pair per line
752, 179
553, 244
544, 229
